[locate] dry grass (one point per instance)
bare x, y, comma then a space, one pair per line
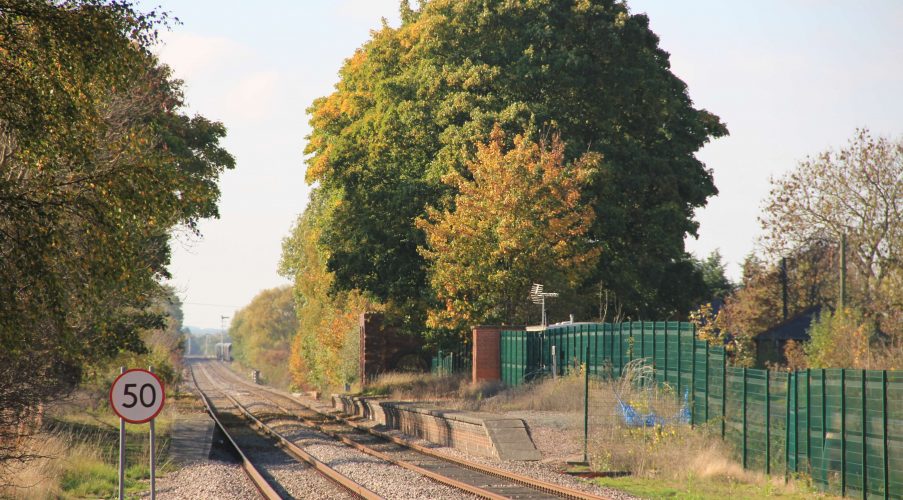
77, 454
61, 455
416, 386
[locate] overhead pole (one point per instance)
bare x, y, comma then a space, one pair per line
222, 334
843, 270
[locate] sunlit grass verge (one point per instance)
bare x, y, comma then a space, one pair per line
693, 487
77, 457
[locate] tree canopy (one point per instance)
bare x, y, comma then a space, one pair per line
517, 220
98, 164
262, 333
414, 101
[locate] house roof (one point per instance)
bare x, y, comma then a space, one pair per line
795, 328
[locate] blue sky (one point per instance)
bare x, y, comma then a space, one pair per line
790, 79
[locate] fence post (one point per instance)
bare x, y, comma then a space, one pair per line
796, 421
843, 432
707, 381
620, 348
767, 422
586, 412
744, 417
679, 363
554, 363
654, 350
787, 429
643, 341
723, 393
824, 425
665, 373
809, 418
884, 430
864, 474
693, 376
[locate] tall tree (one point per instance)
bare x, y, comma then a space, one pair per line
325, 349
413, 102
262, 333
856, 191
714, 274
97, 165
518, 220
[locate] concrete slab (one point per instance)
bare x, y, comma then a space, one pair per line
512, 442
192, 436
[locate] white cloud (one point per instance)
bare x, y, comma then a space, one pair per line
192, 55
253, 97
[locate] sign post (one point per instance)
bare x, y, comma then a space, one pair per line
137, 396
121, 448
153, 462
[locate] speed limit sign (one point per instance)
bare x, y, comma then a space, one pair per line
137, 396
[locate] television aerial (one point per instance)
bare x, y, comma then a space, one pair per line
538, 296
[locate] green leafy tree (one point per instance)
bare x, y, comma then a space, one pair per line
324, 351
714, 275
98, 165
413, 102
262, 332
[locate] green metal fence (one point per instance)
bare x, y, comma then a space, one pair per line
843, 427
449, 362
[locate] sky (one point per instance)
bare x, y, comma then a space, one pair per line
790, 78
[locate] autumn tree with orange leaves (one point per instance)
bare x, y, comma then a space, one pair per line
519, 218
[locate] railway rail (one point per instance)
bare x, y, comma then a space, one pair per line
477, 479
263, 486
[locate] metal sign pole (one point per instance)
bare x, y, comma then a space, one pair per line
153, 463
121, 451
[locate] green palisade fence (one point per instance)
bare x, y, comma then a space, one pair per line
842, 427
449, 362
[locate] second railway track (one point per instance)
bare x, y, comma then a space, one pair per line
469, 478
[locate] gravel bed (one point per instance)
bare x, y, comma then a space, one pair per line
552, 435
290, 478
385, 479
536, 470
205, 480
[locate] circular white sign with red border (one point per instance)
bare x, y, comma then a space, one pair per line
137, 396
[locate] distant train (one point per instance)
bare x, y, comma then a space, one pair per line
223, 351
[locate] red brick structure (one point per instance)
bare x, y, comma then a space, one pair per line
487, 356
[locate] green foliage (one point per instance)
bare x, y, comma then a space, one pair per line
262, 332
413, 102
325, 350
838, 340
714, 276
98, 165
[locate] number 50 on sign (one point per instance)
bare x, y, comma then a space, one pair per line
137, 396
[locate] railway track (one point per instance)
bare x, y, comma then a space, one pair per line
264, 486
356, 474
470, 477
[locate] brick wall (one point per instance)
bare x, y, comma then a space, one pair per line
487, 360
476, 433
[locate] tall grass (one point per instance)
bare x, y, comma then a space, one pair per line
77, 454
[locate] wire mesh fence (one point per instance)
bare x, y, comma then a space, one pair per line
842, 427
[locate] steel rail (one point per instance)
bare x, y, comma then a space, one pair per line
262, 485
334, 475
537, 484
476, 490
